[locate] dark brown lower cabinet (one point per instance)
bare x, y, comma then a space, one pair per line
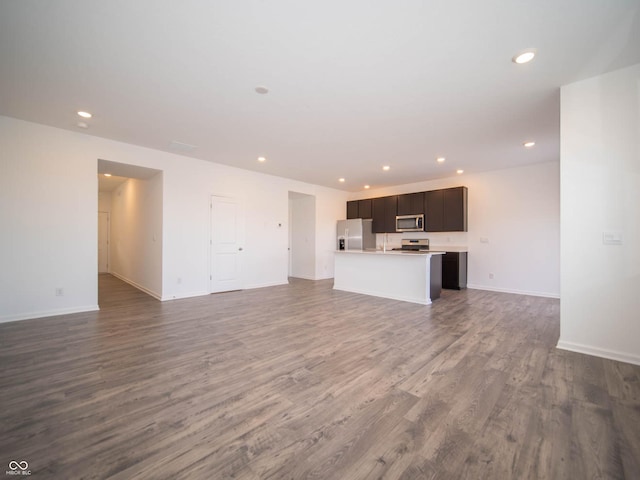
454, 270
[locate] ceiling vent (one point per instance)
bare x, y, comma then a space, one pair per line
181, 147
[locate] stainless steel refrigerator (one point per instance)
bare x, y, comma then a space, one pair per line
355, 234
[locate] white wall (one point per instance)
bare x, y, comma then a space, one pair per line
303, 242
104, 201
49, 222
48, 179
136, 233
600, 175
518, 211
328, 212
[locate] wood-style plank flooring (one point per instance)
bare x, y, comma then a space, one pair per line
300, 381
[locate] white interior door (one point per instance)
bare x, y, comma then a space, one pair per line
226, 244
103, 242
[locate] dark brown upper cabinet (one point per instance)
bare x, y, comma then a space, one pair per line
359, 208
352, 209
446, 210
455, 209
434, 211
365, 208
411, 203
384, 210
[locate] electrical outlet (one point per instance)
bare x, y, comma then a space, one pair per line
491, 276
59, 292
179, 280
484, 240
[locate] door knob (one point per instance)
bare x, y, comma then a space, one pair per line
240, 249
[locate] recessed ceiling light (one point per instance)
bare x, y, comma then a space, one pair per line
440, 159
386, 167
524, 56
529, 144
459, 171
107, 174
262, 90
367, 187
84, 114
262, 159
341, 180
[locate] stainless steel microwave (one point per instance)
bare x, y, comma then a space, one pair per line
410, 223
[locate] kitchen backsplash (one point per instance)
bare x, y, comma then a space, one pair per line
394, 240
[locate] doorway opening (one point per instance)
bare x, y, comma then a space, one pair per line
130, 225
302, 236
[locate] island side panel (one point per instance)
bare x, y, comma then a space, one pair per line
436, 276
396, 276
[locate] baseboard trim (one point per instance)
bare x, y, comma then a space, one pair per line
263, 285
201, 294
185, 295
49, 313
315, 279
155, 295
303, 277
599, 352
510, 290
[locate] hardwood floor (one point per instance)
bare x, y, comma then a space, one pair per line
300, 381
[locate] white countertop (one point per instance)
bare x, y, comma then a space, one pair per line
448, 248
392, 252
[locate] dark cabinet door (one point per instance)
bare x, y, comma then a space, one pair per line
377, 214
455, 209
384, 214
434, 211
359, 208
365, 208
411, 204
404, 204
390, 212
352, 209
454, 270
450, 270
446, 210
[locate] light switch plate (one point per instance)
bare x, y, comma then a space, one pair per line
612, 238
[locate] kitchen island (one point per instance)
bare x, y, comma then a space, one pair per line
400, 275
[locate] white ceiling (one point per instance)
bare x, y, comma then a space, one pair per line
353, 84
109, 184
